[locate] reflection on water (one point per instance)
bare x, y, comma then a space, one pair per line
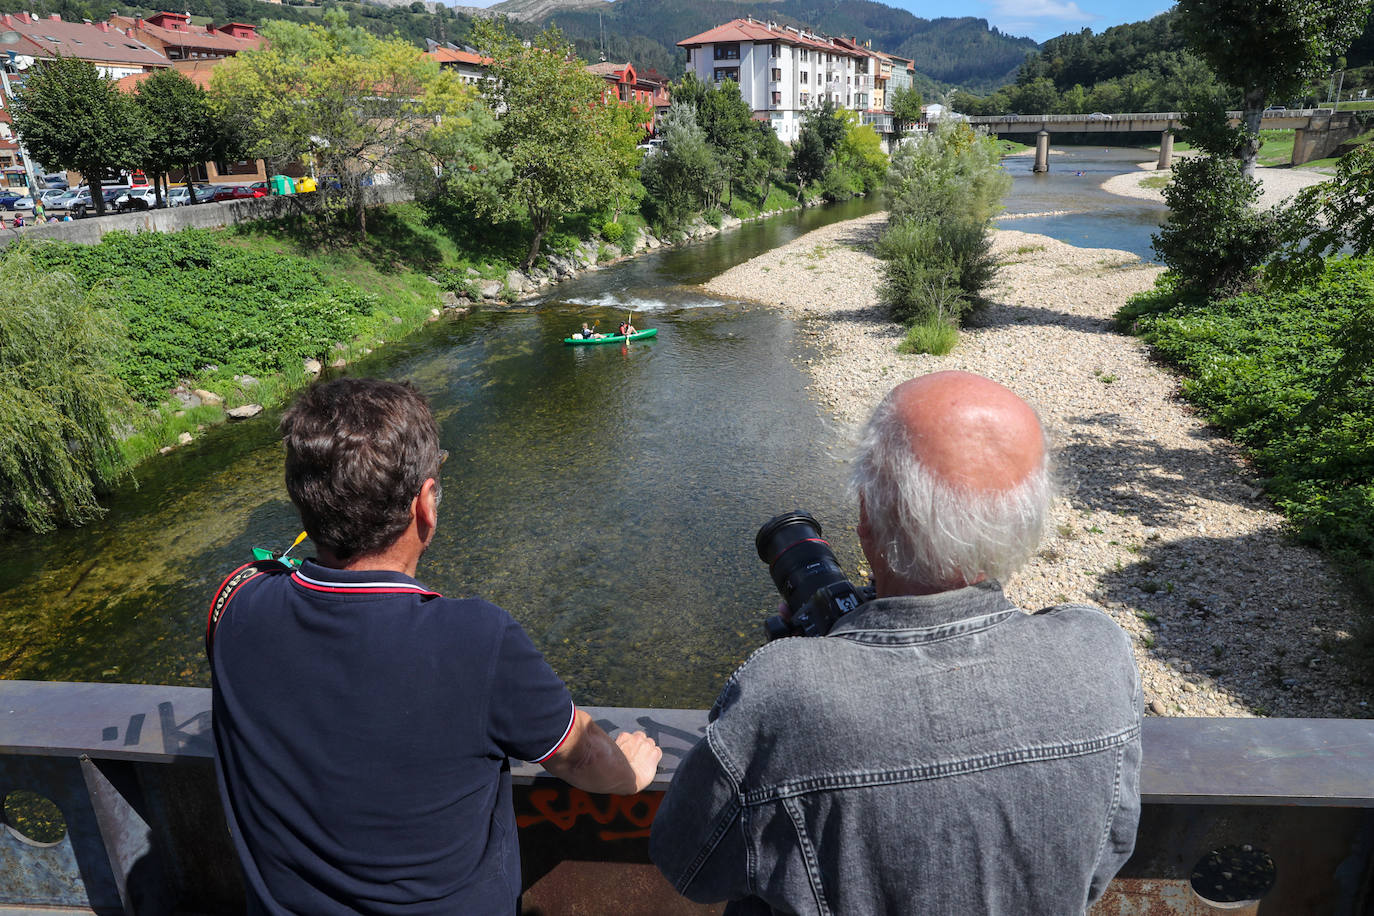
1067, 202
607, 496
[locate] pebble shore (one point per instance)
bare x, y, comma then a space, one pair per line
1159, 519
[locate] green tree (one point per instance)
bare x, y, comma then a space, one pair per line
1269, 48
60, 398
183, 128
905, 103
71, 117
684, 175
553, 128
769, 161
335, 92
859, 158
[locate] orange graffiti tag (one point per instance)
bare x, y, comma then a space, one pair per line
565, 807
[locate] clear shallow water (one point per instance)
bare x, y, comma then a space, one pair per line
607, 496
1073, 208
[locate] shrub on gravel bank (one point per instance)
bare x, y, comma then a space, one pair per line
1289, 374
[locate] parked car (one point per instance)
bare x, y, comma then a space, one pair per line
50, 196
1099, 116
64, 200
239, 192
262, 186
13, 200
83, 205
55, 180
135, 199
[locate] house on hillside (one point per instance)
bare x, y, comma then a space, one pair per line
470, 66
178, 38
626, 86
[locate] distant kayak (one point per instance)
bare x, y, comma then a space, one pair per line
612, 338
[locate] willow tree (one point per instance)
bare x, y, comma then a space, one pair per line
337, 94
60, 396
555, 129
1270, 49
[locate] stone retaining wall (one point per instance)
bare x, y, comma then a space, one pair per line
198, 216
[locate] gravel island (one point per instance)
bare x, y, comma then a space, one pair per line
1159, 519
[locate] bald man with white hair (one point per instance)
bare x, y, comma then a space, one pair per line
940, 750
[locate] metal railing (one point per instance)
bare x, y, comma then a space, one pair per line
130, 769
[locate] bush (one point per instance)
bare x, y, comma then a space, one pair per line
930, 335
1215, 236
713, 217
60, 397
942, 194
1286, 374
685, 175
613, 232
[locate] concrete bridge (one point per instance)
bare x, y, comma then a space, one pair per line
126, 775
1319, 130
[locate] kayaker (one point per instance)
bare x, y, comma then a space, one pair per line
588, 333
625, 329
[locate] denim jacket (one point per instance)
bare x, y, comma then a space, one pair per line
941, 754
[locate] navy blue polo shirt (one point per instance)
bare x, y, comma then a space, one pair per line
363, 725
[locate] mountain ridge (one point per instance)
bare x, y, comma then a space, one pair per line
964, 52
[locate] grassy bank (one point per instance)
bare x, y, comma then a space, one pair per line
1284, 374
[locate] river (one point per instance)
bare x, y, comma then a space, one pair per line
606, 496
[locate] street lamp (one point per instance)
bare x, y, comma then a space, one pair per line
11, 62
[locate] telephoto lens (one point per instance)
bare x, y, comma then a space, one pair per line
806, 574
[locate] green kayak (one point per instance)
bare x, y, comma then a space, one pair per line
612, 338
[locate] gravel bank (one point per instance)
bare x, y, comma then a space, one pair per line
1279, 184
1159, 520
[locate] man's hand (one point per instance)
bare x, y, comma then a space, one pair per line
643, 755
591, 761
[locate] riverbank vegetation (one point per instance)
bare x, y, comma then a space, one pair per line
1270, 313
942, 195
556, 176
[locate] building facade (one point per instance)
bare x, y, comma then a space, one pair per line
783, 72
176, 37
471, 68
626, 86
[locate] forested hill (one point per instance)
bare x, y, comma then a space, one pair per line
962, 52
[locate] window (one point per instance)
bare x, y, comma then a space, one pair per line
777, 98
727, 51
689, 55
726, 73
774, 50
805, 97
805, 77
777, 73
803, 54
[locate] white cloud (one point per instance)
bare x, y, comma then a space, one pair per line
1038, 10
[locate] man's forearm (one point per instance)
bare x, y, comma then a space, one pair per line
593, 762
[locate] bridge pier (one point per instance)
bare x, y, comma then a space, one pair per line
1166, 151
1042, 151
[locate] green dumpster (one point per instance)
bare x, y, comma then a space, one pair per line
282, 184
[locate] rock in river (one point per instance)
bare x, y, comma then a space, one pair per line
245, 412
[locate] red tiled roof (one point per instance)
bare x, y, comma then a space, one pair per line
131, 82
752, 30
96, 42
452, 56
606, 68
177, 31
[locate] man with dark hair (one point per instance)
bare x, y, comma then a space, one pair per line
940, 751
363, 722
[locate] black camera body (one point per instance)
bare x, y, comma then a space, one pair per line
807, 575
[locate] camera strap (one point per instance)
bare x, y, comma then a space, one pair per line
229, 588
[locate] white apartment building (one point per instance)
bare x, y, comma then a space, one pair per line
783, 71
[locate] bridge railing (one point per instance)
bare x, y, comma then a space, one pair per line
1269, 113
133, 821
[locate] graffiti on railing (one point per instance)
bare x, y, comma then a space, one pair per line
622, 817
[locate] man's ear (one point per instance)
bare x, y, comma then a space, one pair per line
426, 506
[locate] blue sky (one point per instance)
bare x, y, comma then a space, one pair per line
1040, 19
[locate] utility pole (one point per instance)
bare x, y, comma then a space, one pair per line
8, 61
